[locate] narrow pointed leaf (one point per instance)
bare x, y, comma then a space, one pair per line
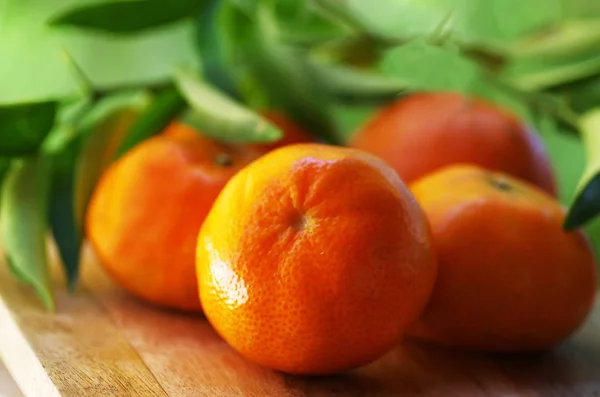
126, 17
105, 129
155, 117
23, 127
586, 205
23, 224
220, 117
287, 78
62, 211
216, 44
353, 84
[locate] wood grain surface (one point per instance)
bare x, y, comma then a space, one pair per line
103, 342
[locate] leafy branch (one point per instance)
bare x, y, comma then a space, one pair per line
117, 73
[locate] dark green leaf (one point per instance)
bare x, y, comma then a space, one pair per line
24, 127
4, 164
161, 111
104, 129
128, 17
587, 201
287, 78
220, 117
582, 95
62, 211
23, 224
217, 39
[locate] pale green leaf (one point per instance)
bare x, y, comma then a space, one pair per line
216, 115
23, 224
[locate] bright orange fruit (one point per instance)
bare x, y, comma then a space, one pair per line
145, 214
423, 132
314, 259
510, 279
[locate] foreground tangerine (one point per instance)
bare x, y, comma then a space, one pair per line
424, 132
145, 214
314, 259
510, 279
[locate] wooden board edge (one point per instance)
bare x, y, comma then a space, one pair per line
27, 371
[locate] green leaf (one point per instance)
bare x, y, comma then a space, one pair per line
492, 22
561, 41
24, 127
581, 9
69, 114
32, 67
349, 84
220, 117
299, 24
539, 74
217, 39
23, 224
135, 61
582, 95
126, 17
418, 64
587, 201
104, 129
62, 211
286, 77
160, 112
4, 165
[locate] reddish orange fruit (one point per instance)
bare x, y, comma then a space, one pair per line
510, 279
424, 132
146, 212
314, 259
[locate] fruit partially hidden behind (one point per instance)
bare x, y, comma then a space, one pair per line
424, 132
292, 132
509, 278
314, 259
146, 212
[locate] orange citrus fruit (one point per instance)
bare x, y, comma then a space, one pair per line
423, 132
146, 211
314, 259
510, 279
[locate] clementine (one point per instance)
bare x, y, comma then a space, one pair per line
145, 213
314, 259
423, 132
510, 279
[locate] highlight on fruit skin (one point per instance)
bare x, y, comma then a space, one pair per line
314, 260
510, 279
423, 132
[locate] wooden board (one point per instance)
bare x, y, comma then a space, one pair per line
8, 387
102, 342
